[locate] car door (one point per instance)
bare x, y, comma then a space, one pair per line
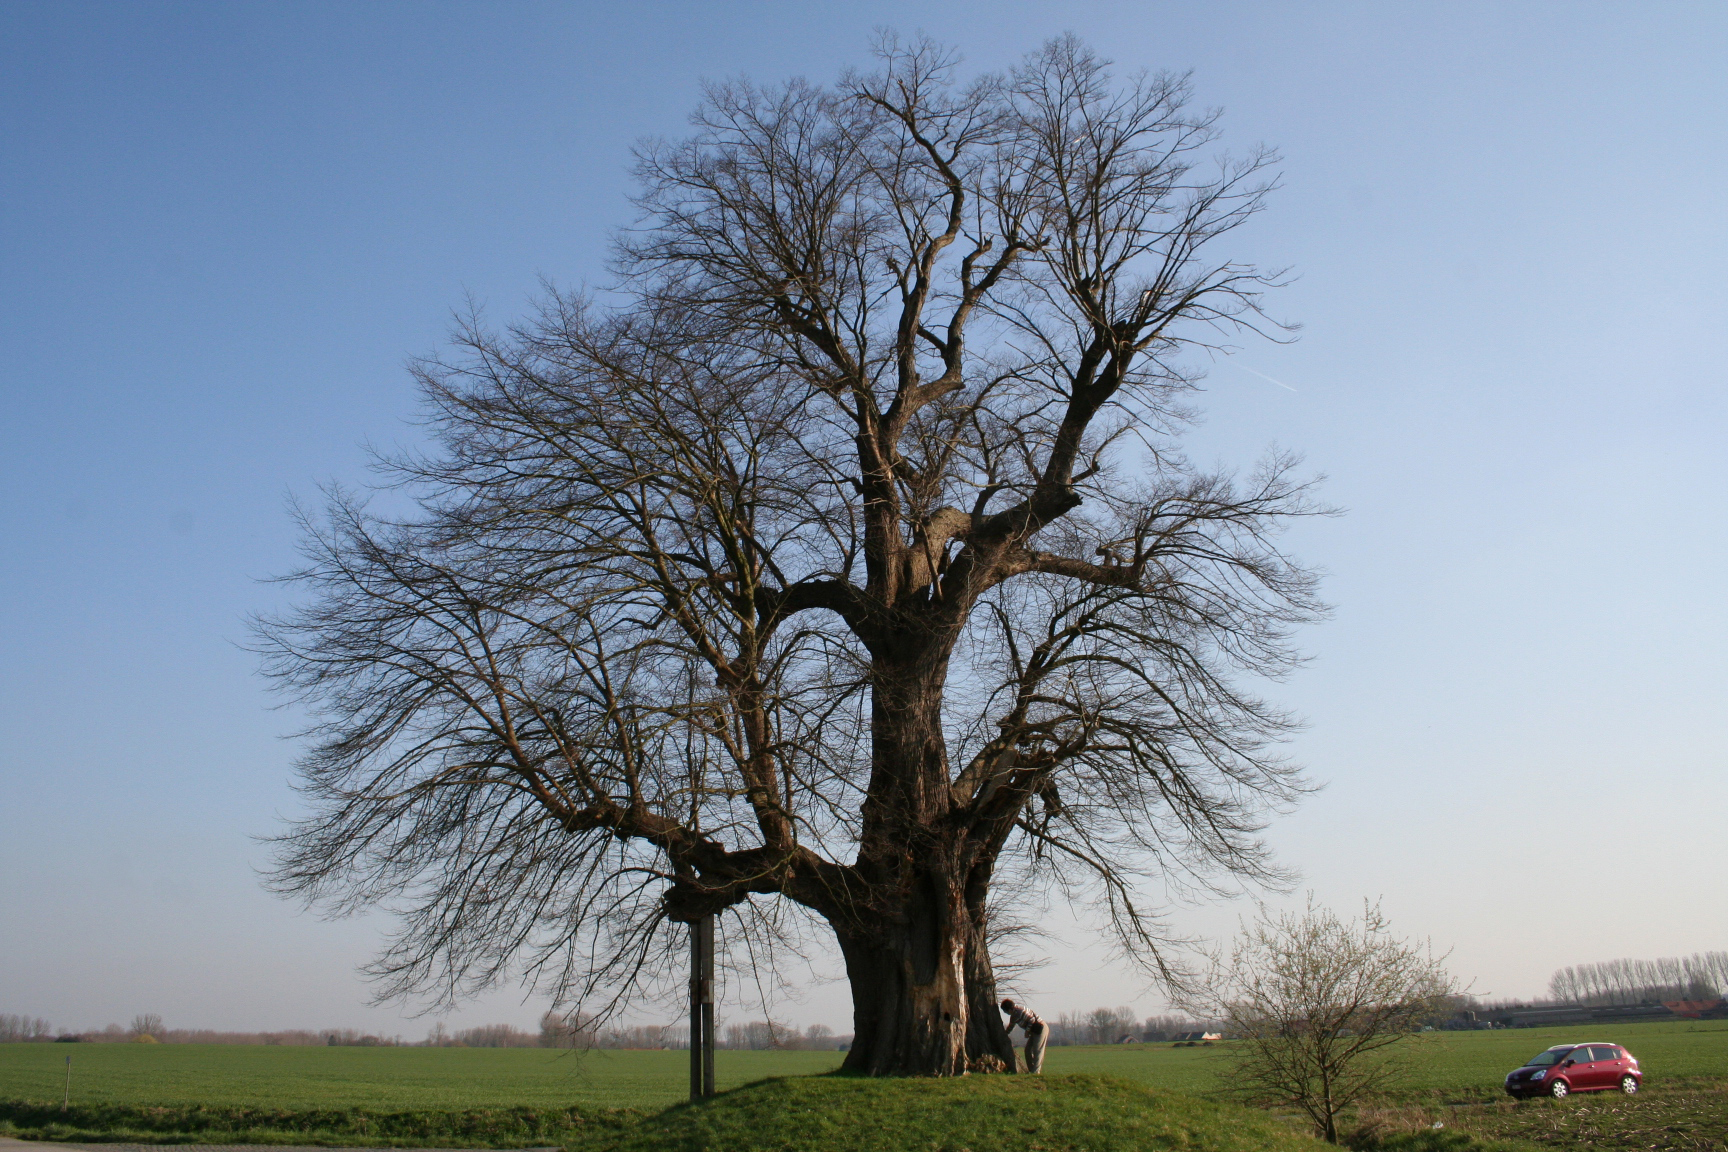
1576, 1068
1599, 1073
1612, 1065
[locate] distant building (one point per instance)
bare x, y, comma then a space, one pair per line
1551, 1015
1183, 1037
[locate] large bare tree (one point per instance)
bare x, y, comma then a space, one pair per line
841, 560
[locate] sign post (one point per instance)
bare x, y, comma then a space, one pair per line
702, 1007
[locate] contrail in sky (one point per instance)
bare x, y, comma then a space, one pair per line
1262, 376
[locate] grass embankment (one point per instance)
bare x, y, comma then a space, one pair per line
855, 1114
468, 1128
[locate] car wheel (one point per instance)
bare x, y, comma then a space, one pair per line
1559, 1089
1629, 1085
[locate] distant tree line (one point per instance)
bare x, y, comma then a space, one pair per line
763, 1035
1120, 1025
581, 1031
1700, 976
555, 1032
350, 1038
1111, 1026
483, 1036
148, 1028
1099, 1026
23, 1029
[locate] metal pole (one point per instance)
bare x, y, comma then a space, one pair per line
702, 1007
67, 1101
707, 934
695, 1009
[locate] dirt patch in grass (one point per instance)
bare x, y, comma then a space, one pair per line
1680, 1119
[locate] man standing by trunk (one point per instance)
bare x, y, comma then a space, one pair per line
1036, 1033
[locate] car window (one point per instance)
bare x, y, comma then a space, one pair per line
1579, 1055
1546, 1059
1608, 1053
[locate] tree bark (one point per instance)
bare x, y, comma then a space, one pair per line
923, 991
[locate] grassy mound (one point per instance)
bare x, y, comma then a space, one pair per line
977, 1113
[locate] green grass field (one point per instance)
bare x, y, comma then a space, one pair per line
515, 1097
395, 1078
1455, 1066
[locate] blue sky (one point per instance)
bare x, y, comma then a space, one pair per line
224, 226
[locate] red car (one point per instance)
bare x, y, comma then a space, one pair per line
1568, 1068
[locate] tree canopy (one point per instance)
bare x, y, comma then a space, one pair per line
840, 560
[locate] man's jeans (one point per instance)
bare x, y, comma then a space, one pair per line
1035, 1037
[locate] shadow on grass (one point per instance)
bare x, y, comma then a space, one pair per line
482, 1127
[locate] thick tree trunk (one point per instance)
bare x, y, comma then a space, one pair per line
923, 994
